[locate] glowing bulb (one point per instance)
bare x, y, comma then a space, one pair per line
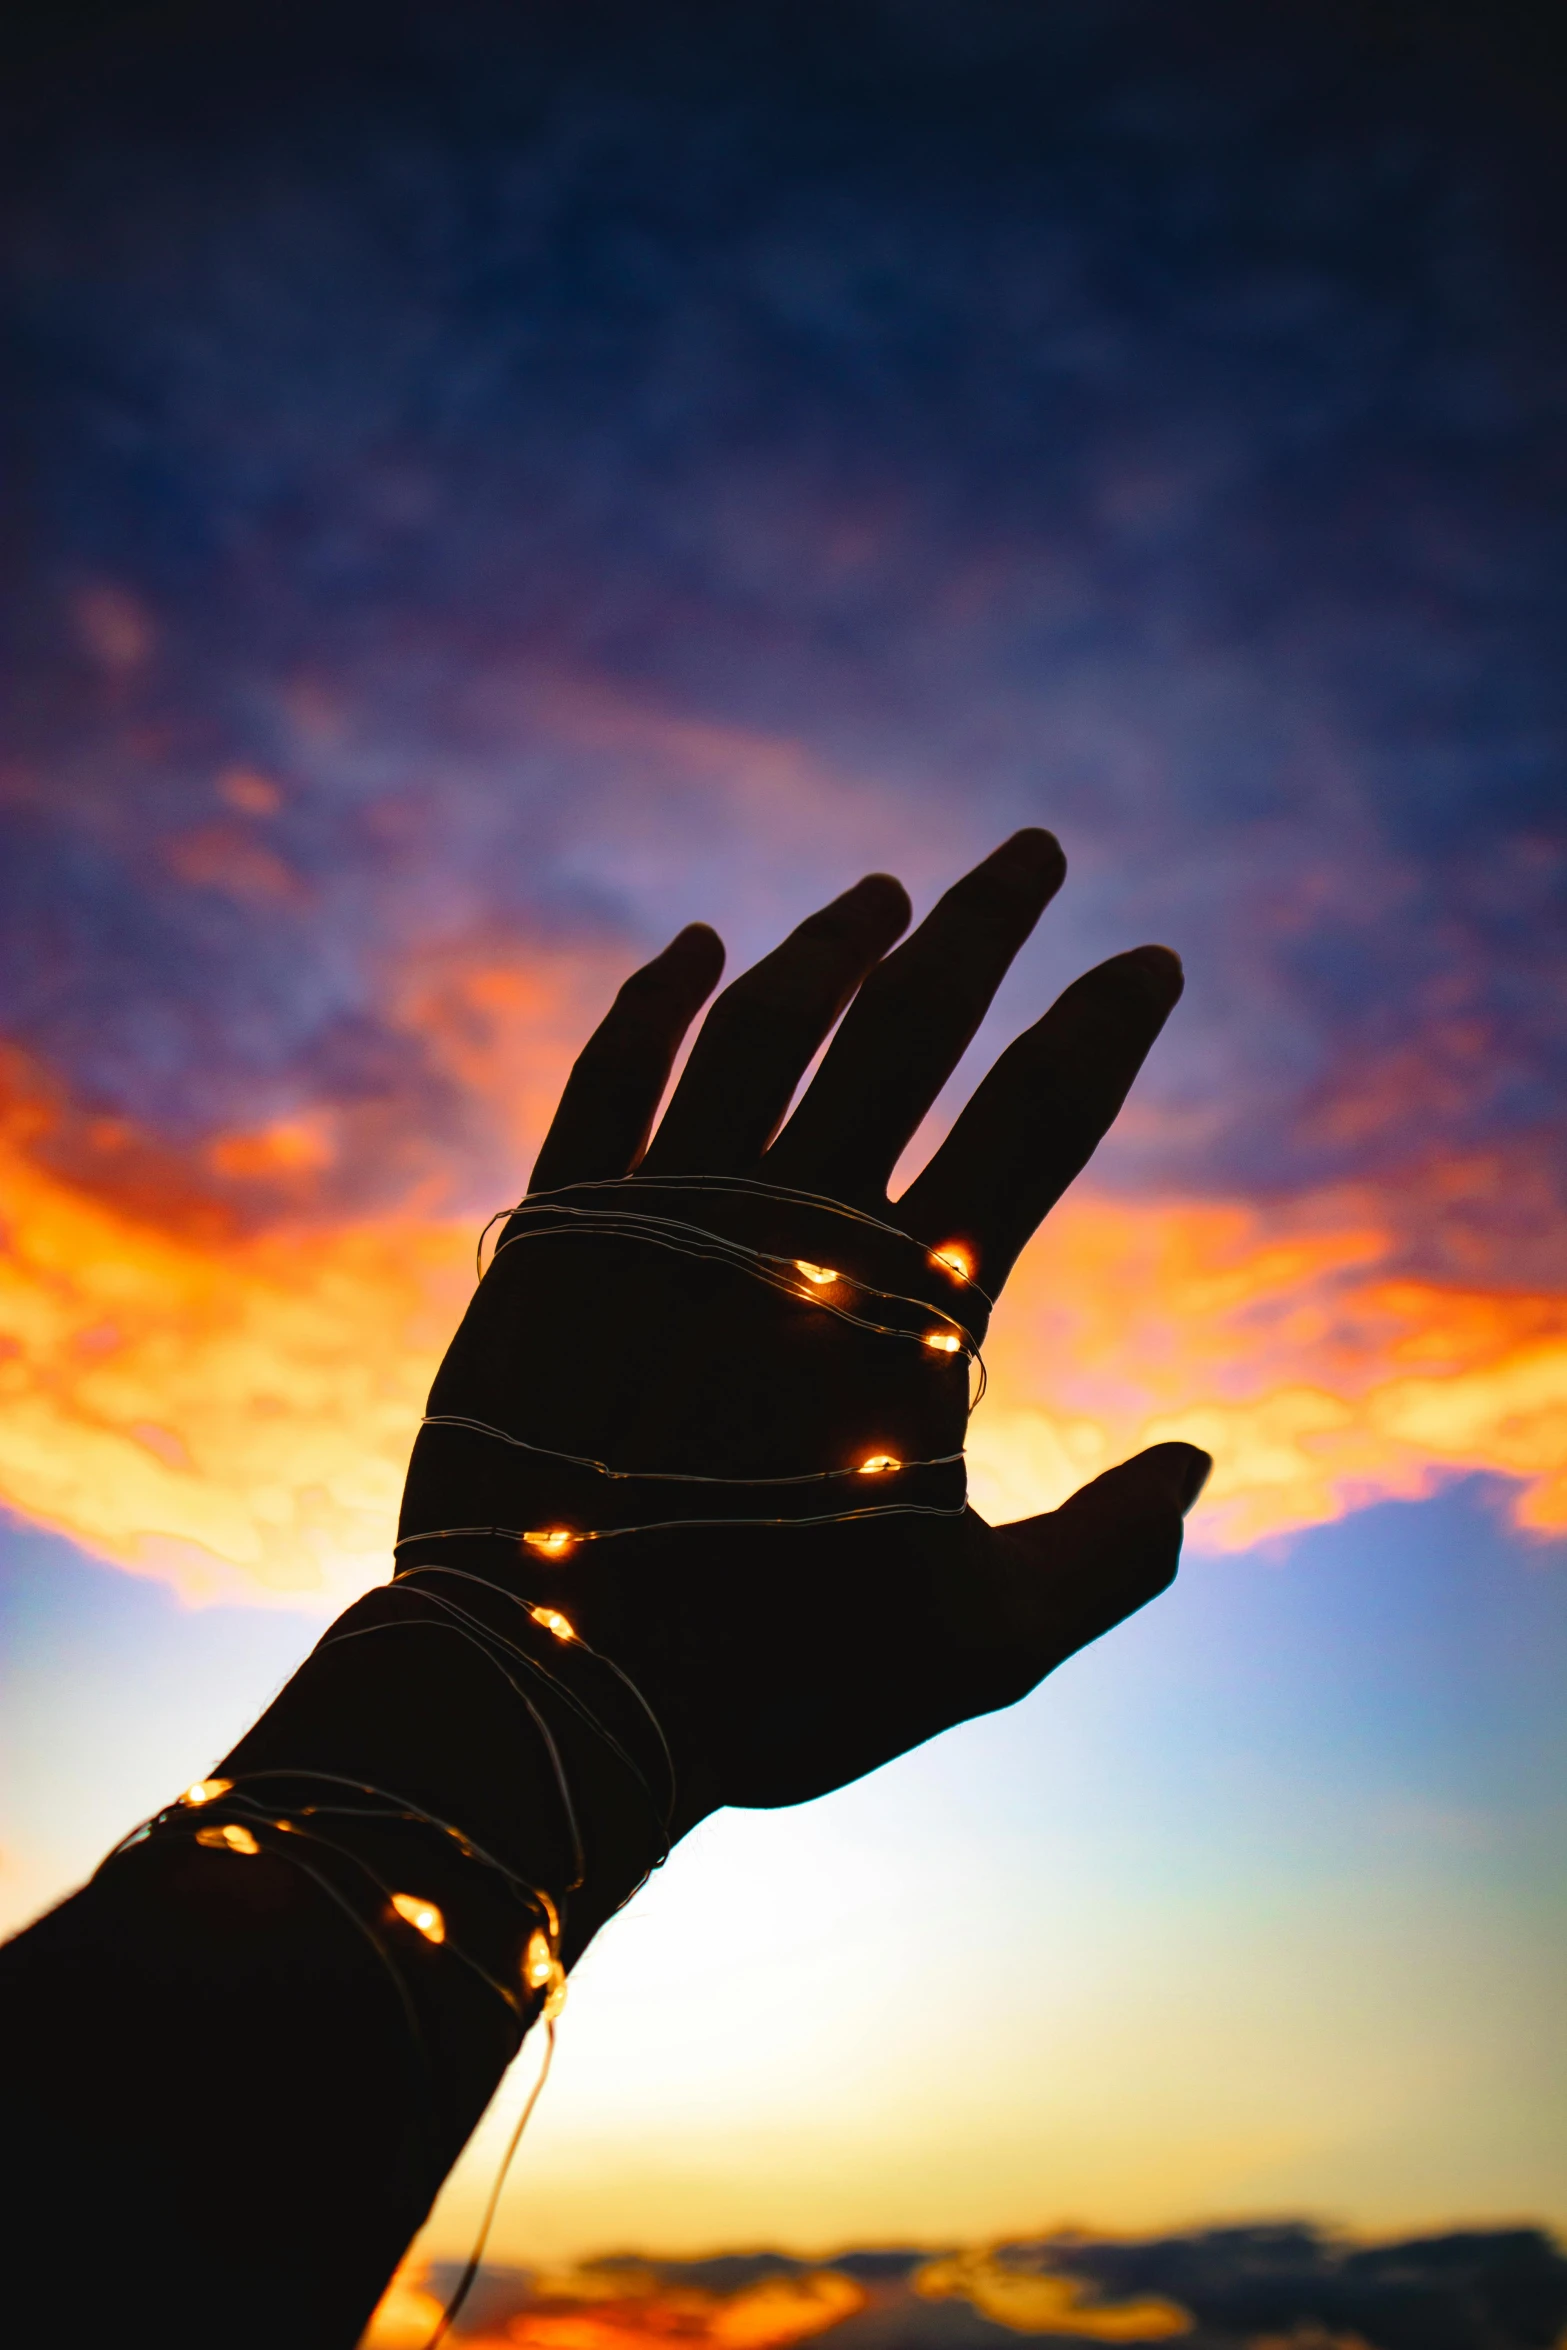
205, 1791
953, 1259
555, 1996
945, 1342
231, 1837
878, 1465
538, 1963
553, 1541
422, 1915
553, 1621
820, 1275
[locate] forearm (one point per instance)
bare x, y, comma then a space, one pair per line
241, 2077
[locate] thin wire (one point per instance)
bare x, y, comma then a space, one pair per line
291, 1829
369, 1631
173, 1823
547, 1202
891, 1509
482, 1583
478, 1246
581, 1460
774, 1271
407, 1809
762, 1264
487, 1639
182, 1819
748, 1185
476, 2257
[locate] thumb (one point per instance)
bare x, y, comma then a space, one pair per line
1109, 1549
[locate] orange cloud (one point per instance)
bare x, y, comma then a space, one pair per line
223, 857
231, 1409
1286, 1344
1039, 2301
504, 1027
230, 1413
620, 2307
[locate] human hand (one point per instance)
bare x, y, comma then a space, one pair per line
786, 1659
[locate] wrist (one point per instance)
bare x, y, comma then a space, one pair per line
428, 1697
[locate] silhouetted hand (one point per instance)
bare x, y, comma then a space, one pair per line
785, 1660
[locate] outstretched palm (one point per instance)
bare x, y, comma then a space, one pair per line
786, 1659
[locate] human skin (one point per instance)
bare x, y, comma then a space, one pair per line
209, 2076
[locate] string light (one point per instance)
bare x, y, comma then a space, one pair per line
741, 1186
542, 1971
552, 1542
883, 1313
416, 1910
582, 1460
553, 1621
559, 1214
205, 1791
892, 1315
884, 1509
424, 1916
230, 1837
547, 1215
497, 1648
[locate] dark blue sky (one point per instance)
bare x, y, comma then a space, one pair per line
1144, 421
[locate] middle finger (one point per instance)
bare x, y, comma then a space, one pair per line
911, 1023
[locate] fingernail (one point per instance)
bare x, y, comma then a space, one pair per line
1199, 1467
1032, 853
1159, 968
697, 951
889, 890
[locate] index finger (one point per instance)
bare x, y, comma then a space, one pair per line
606, 1113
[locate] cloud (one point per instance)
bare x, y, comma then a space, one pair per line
1240, 2288
623, 2303
1042, 2301
1288, 1341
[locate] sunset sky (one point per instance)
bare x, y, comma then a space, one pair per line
491, 484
